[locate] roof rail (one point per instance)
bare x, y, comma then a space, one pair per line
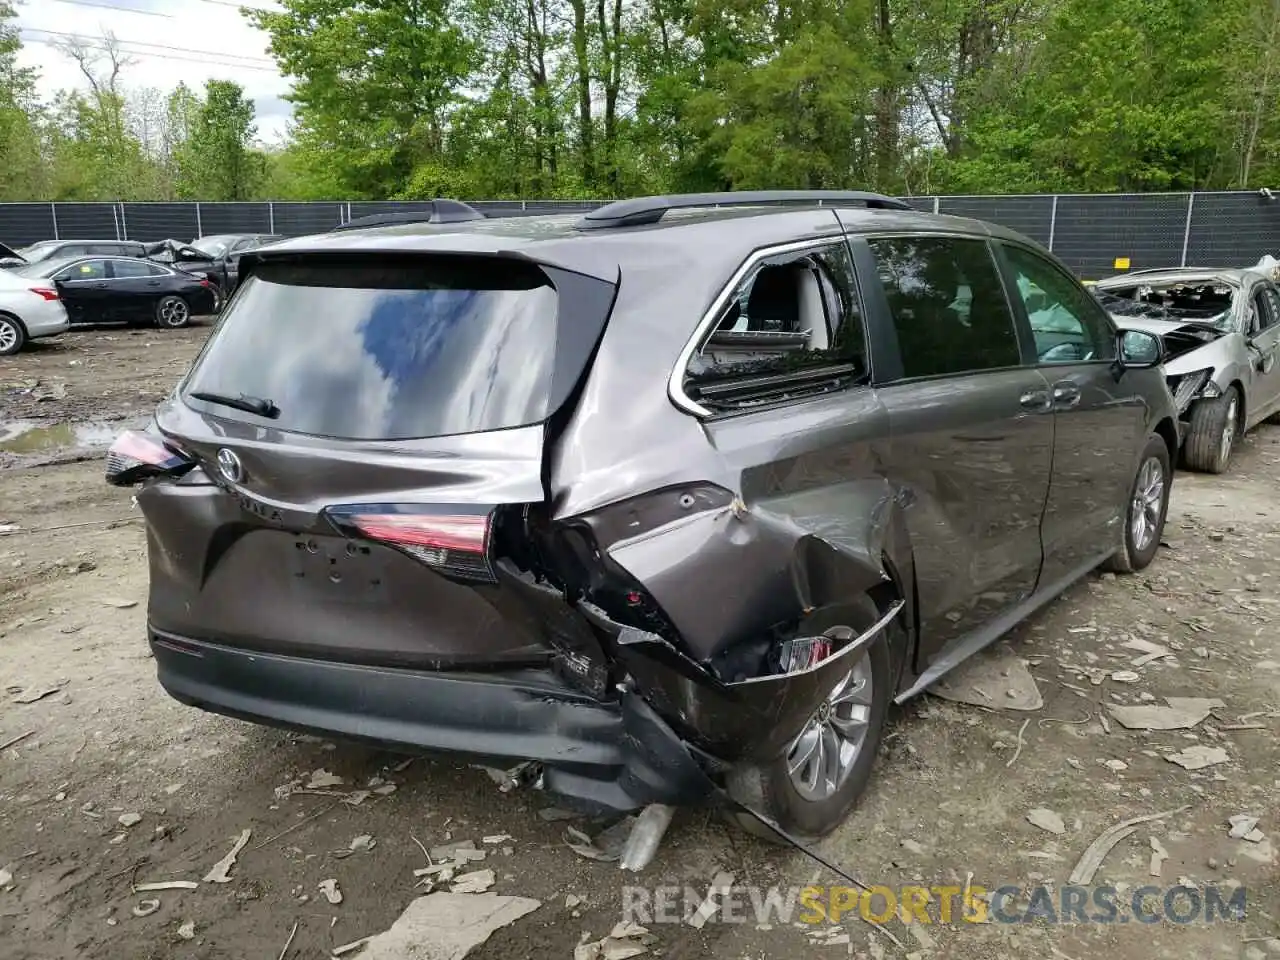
647, 210
442, 211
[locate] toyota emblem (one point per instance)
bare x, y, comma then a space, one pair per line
229, 465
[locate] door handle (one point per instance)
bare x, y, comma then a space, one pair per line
153, 283
1066, 394
1037, 400
101, 286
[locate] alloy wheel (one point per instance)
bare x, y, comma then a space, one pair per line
173, 312
9, 335
1148, 500
822, 756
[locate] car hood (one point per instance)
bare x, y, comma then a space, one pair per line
1189, 346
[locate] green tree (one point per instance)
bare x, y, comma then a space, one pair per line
21, 167
215, 160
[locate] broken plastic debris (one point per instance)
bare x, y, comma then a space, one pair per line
645, 836
1000, 682
330, 890
221, 871
188, 930
1198, 756
497, 838
119, 603
1182, 713
32, 694
606, 846
322, 778
443, 926
362, 842
1125, 676
478, 881
1094, 854
146, 908
460, 851
1158, 856
129, 819
1046, 820
166, 885
6, 877
1245, 827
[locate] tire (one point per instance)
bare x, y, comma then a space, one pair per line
770, 789
13, 335
1215, 427
172, 313
1137, 547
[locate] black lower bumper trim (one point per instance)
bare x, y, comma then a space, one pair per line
617, 755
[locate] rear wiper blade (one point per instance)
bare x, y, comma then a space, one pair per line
259, 405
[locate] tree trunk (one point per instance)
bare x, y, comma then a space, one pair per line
585, 138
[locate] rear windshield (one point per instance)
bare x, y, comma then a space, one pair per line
392, 349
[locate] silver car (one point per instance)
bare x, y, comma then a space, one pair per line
1221, 329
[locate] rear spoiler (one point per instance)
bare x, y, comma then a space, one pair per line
8, 253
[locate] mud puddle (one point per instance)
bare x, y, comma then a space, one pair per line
30, 437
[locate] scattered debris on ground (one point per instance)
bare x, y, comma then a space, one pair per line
1198, 756
221, 871
442, 926
1000, 682
1181, 713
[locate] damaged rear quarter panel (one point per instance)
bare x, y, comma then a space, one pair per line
802, 522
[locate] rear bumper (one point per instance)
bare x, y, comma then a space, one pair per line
45, 319
617, 755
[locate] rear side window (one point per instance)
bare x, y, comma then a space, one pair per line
132, 269
948, 305
790, 329
401, 348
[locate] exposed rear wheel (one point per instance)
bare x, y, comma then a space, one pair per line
12, 336
1148, 506
811, 788
1215, 425
172, 312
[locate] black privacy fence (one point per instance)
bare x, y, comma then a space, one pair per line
1097, 235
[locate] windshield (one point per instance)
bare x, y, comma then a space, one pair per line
214, 247
397, 349
38, 251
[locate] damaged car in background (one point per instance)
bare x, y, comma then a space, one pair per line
672, 499
1221, 330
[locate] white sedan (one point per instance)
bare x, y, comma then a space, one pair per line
28, 309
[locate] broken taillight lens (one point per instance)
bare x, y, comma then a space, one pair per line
135, 455
451, 540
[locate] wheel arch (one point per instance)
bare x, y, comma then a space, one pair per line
1167, 430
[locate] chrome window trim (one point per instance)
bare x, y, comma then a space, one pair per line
675, 382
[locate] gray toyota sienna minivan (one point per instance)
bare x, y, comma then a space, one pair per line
672, 499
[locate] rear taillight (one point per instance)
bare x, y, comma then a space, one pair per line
45, 292
205, 282
134, 456
452, 540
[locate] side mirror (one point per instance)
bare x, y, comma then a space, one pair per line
1139, 350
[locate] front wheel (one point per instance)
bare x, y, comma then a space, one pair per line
172, 313
1139, 539
812, 787
1215, 425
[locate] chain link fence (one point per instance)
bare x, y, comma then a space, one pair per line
1096, 235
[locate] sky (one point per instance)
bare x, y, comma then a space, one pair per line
168, 40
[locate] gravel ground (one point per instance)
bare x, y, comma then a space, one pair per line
117, 784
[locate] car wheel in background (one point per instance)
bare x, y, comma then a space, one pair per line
1139, 537
12, 335
812, 787
1215, 425
172, 313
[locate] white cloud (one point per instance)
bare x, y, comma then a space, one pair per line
168, 40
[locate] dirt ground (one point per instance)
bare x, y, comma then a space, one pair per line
117, 784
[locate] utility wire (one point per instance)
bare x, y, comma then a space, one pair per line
108, 6
164, 56
262, 63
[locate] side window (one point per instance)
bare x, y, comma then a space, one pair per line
109, 249
84, 270
791, 329
1263, 311
1066, 321
948, 305
1273, 302
131, 269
